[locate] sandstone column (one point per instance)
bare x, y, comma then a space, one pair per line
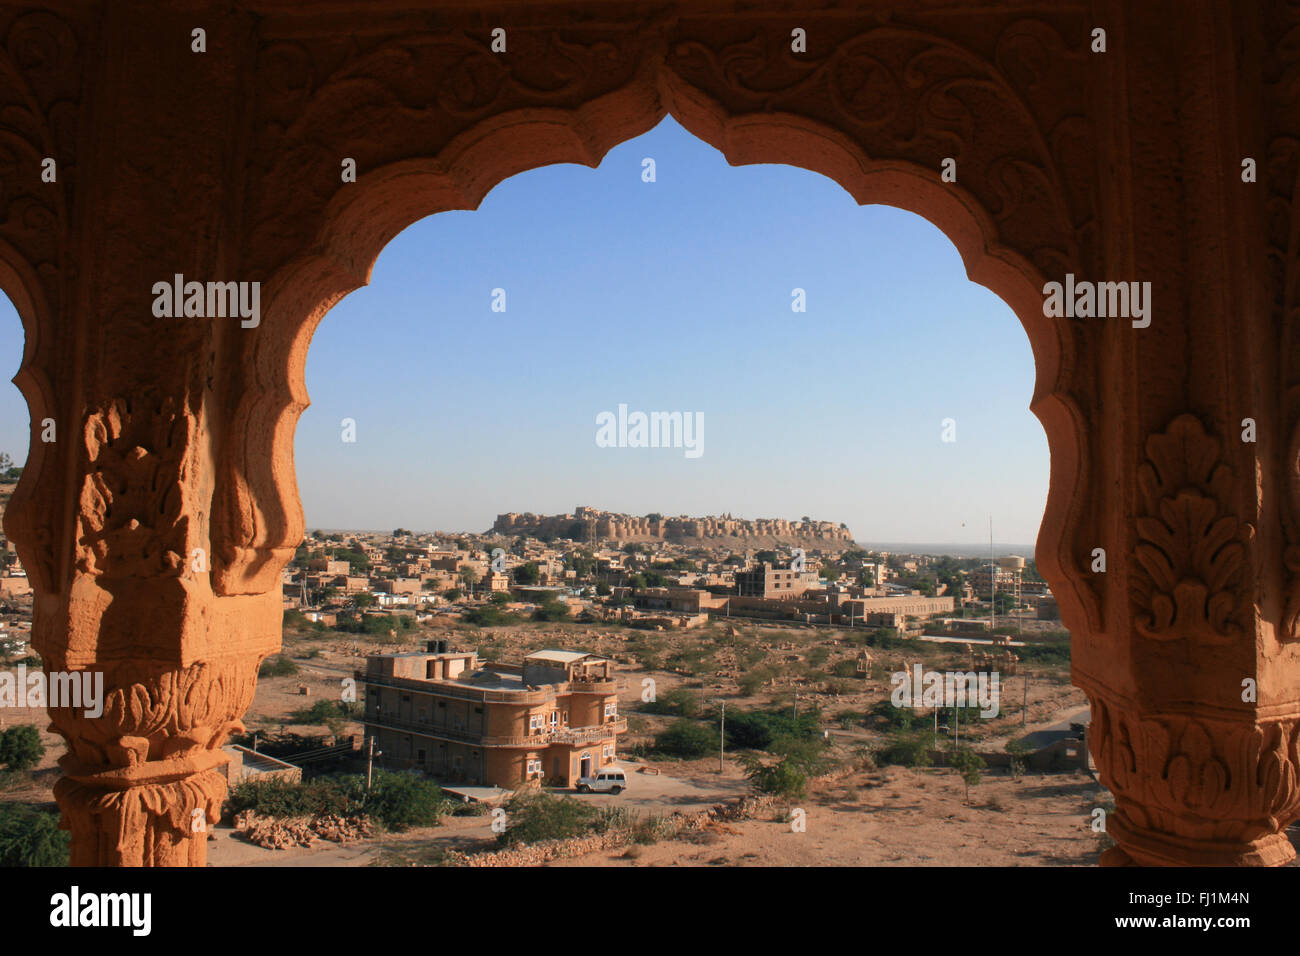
1194, 673
112, 516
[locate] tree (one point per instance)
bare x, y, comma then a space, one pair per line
31, 837
686, 739
469, 576
21, 747
528, 573
364, 600
967, 763
551, 610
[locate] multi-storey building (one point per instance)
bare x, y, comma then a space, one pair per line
555, 716
981, 577
769, 581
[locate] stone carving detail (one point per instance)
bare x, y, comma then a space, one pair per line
134, 519
1233, 786
903, 92
37, 110
1191, 562
151, 760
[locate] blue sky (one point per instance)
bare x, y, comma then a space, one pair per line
673, 295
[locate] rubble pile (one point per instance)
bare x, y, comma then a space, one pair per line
273, 834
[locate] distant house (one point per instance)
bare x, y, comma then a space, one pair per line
555, 716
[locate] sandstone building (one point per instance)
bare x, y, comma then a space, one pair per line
555, 717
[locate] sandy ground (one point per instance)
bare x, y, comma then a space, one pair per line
901, 817
892, 817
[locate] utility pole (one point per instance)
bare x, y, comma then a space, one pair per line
1024, 707
722, 733
993, 584
370, 764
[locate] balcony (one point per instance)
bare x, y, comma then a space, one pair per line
573, 736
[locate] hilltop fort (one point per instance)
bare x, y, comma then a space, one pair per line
592, 524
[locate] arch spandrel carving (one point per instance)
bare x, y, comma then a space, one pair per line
39, 93
1011, 213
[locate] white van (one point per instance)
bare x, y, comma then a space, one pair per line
607, 780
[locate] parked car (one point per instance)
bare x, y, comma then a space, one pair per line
606, 780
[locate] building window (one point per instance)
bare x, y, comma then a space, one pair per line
555, 719
534, 768
534, 723
607, 752
611, 709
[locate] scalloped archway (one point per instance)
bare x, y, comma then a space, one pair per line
176, 436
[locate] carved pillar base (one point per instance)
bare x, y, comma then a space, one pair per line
143, 779
154, 814
1197, 791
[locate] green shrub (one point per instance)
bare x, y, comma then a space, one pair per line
650, 830
551, 610
783, 778
489, 616
401, 800
396, 801
906, 749
686, 739
752, 681
535, 815
278, 666
30, 836
21, 747
756, 729
325, 712
893, 717
676, 703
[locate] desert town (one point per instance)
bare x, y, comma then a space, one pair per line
625, 690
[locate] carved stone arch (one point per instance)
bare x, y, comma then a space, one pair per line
33, 536
259, 521
39, 87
